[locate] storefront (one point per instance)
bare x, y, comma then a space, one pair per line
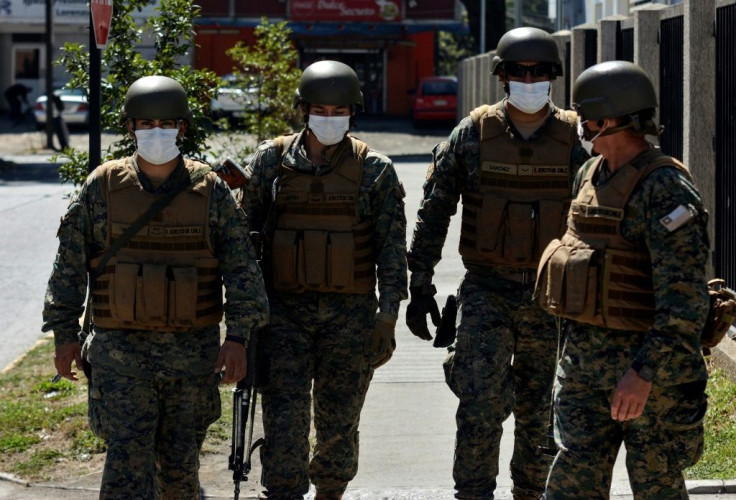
391, 44
23, 40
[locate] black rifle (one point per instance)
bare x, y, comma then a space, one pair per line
245, 395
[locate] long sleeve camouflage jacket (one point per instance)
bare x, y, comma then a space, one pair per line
679, 257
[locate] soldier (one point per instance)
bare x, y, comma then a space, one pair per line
512, 163
332, 213
630, 272
154, 353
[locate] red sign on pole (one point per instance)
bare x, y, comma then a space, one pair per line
101, 19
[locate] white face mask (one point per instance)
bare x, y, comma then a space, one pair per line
157, 145
528, 97
329, 130
585, 143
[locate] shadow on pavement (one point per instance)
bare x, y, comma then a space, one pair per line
30, 172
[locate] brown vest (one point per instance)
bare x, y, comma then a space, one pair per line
593, 274
317, 242
166, 277
524, 193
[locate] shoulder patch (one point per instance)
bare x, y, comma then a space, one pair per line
678, 217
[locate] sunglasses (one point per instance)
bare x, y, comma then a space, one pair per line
535, 70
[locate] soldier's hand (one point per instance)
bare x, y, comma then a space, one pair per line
64, 355
422, 303
630, 396
382, 341
232, 357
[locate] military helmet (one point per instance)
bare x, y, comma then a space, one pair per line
612, 89
526, 44
157, 97
329, 82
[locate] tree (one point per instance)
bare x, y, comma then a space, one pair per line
452, 49
172, 35
269, 66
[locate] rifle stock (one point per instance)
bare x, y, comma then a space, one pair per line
245, 397
232, 173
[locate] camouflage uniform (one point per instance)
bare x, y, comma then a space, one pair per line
497, 321
320, 338
152, 394
668, 436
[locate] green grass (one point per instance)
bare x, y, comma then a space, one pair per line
44, 433
719, 456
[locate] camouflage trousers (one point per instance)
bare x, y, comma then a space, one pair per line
500, 325
660, 444
154, 430
315, 354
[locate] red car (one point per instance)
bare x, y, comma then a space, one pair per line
435, 100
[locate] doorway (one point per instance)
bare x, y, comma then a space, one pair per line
368, 64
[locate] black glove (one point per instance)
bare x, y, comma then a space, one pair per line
422, 303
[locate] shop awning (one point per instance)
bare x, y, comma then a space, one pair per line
352, 28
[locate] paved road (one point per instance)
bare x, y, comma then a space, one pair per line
31, 202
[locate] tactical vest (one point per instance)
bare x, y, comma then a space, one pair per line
317, 241
593, 274
166, 277
524, 191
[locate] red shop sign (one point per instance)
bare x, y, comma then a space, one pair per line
346, 10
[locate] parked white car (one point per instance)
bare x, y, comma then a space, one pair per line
76, 107
232, 101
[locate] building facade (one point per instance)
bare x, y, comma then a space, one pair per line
23, 40
391, 44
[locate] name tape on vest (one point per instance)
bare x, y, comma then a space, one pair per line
512, 169
157, 231
677, 217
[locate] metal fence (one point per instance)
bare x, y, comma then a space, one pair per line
689, 51
671, 80
725, 217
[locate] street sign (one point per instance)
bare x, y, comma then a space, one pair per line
101, 19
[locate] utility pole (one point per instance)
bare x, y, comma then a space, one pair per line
95, 128
559, 14
49, 74
517, 13
482, 26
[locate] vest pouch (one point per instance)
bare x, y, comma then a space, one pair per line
315, 259
152, 295
284, 255
581, 279
554, 287
552, 218
520, 228
341, 260
183, 296
123, 289
490, 225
